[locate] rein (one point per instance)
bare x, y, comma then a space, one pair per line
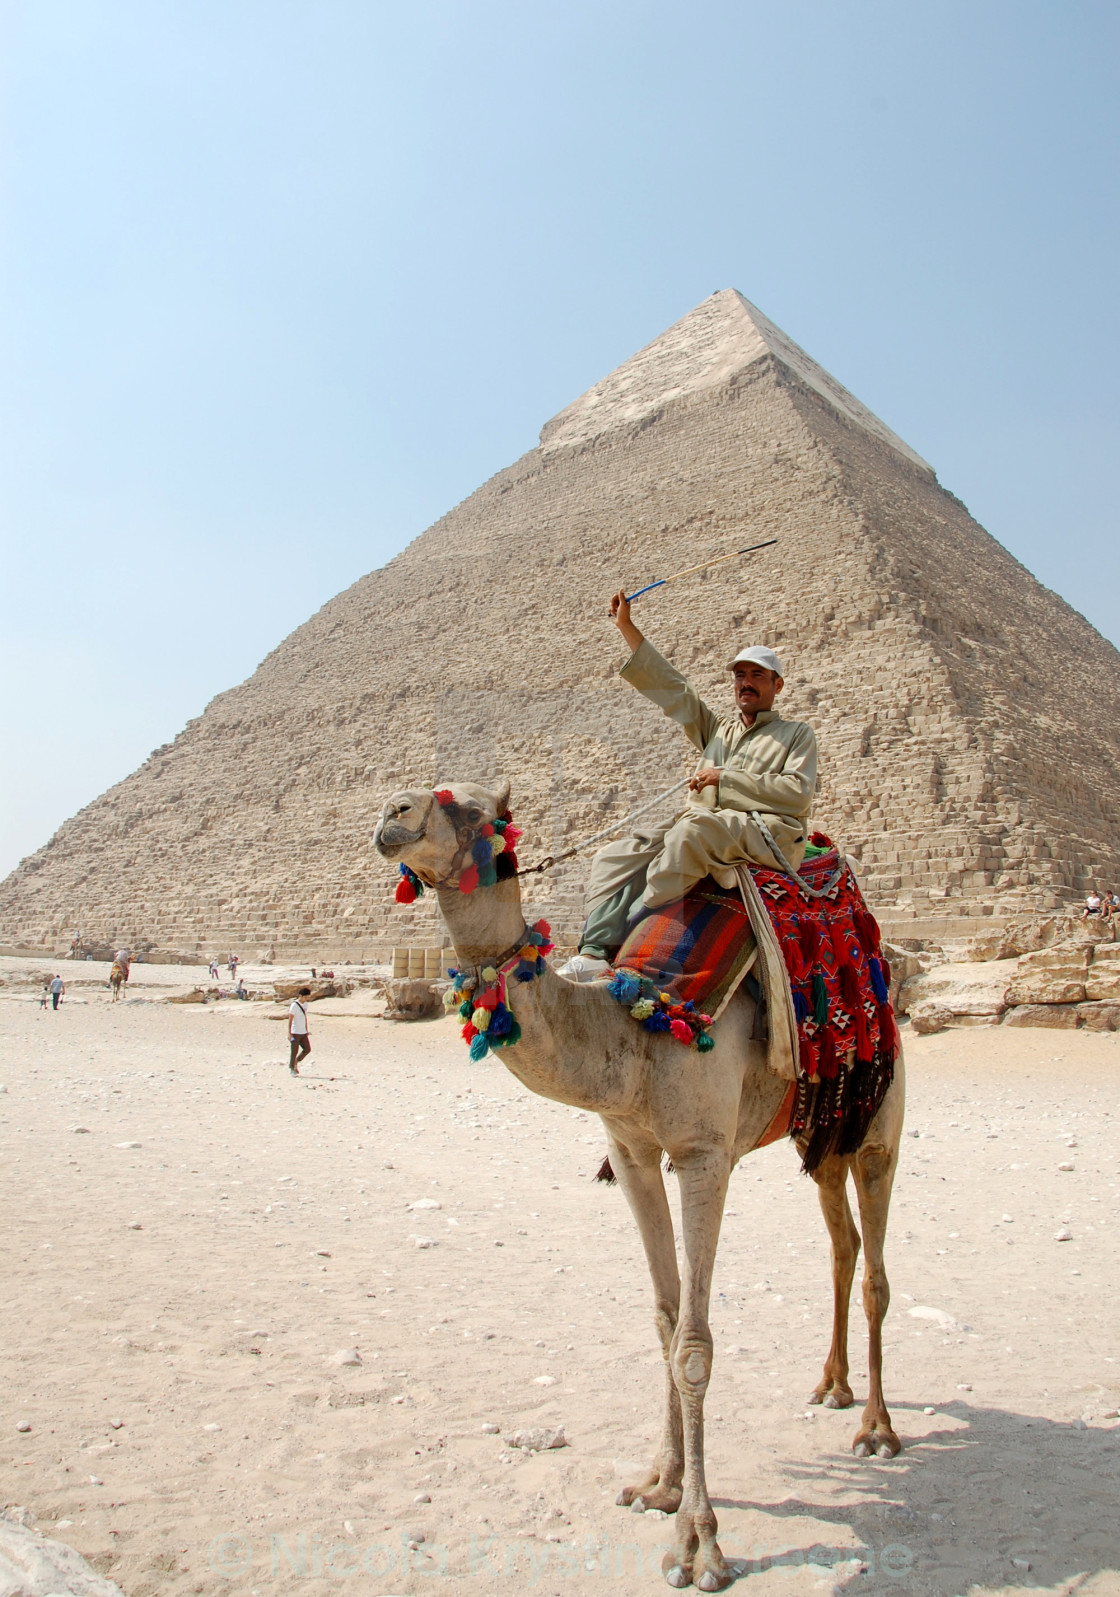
554, 859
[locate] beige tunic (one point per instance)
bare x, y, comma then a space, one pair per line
769, 767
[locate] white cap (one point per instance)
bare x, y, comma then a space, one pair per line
758, 654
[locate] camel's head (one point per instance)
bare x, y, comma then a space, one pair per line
432, 830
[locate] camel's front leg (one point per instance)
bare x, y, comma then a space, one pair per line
696, 1556
638, 1168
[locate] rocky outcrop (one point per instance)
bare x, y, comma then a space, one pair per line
1051, 976
1068, 984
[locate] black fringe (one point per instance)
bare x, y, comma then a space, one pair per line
833, 1117
605, 1173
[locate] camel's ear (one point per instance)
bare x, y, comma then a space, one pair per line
501, 798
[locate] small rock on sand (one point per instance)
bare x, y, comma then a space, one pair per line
538, 1439
490, 1429
348, 1355
1064, 1235
426, 1203
25, 1425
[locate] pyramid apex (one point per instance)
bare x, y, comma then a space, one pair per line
722, 336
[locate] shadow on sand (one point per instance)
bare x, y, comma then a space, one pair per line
987, 1501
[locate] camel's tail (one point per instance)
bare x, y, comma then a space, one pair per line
605, 1173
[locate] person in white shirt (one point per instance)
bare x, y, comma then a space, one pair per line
58, 987
298, 1035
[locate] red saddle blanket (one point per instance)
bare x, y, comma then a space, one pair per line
699, 948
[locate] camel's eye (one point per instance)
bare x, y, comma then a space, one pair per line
474, 816
403, 809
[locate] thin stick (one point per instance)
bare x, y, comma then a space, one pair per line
688, 572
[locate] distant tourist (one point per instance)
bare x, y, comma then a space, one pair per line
298, 1034
1093, 904
214, 968
241, 991
233, 964
58, 987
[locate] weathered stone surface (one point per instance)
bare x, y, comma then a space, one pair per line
1054, 975
1103, 979
287, 990
907, 634
930, 1017
412, 999
1099, 1016
35, 1566
968, 989
1063, 1017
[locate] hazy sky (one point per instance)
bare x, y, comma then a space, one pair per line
283, 280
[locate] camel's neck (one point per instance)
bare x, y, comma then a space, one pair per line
573, 1038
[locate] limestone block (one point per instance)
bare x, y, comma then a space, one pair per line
287, 990
1062, 1017
1099, 1016
929, 1017
32, 1565
414, 999
965, 988
1051, 976
1103, 980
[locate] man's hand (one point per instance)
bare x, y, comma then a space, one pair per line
620, 614
709, 777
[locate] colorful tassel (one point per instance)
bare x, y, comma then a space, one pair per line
810, 939
501, 1024
487, 876
800, 1006
820, 999
469, 879
705, 1042
468, 1032
643, 1009
525, 971
829, 1063
465, 1008
514, 1036
480, 1018
681, 1030
879, 986
480, 1047
625, 987
807, 1058
864, 1051
480, 851
658, 1021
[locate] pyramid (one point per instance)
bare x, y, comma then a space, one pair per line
968, 718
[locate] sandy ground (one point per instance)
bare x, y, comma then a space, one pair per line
191, 1263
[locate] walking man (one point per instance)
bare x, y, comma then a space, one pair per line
58, 987
298, 1034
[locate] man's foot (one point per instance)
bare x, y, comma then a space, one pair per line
294, 1070
585, 967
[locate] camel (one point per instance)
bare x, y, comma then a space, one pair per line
118, 978
656, 1098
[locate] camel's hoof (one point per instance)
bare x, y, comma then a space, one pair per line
885, 1450
638, 1506
710, 1581
861, 1450
676, 1575
831, 1401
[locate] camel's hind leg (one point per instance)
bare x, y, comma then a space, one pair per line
831, 1177
873, 1168
638, 1169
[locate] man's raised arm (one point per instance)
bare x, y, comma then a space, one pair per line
661, 682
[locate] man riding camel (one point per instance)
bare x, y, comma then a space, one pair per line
752, 791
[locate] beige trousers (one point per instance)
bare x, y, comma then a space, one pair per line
659, 864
